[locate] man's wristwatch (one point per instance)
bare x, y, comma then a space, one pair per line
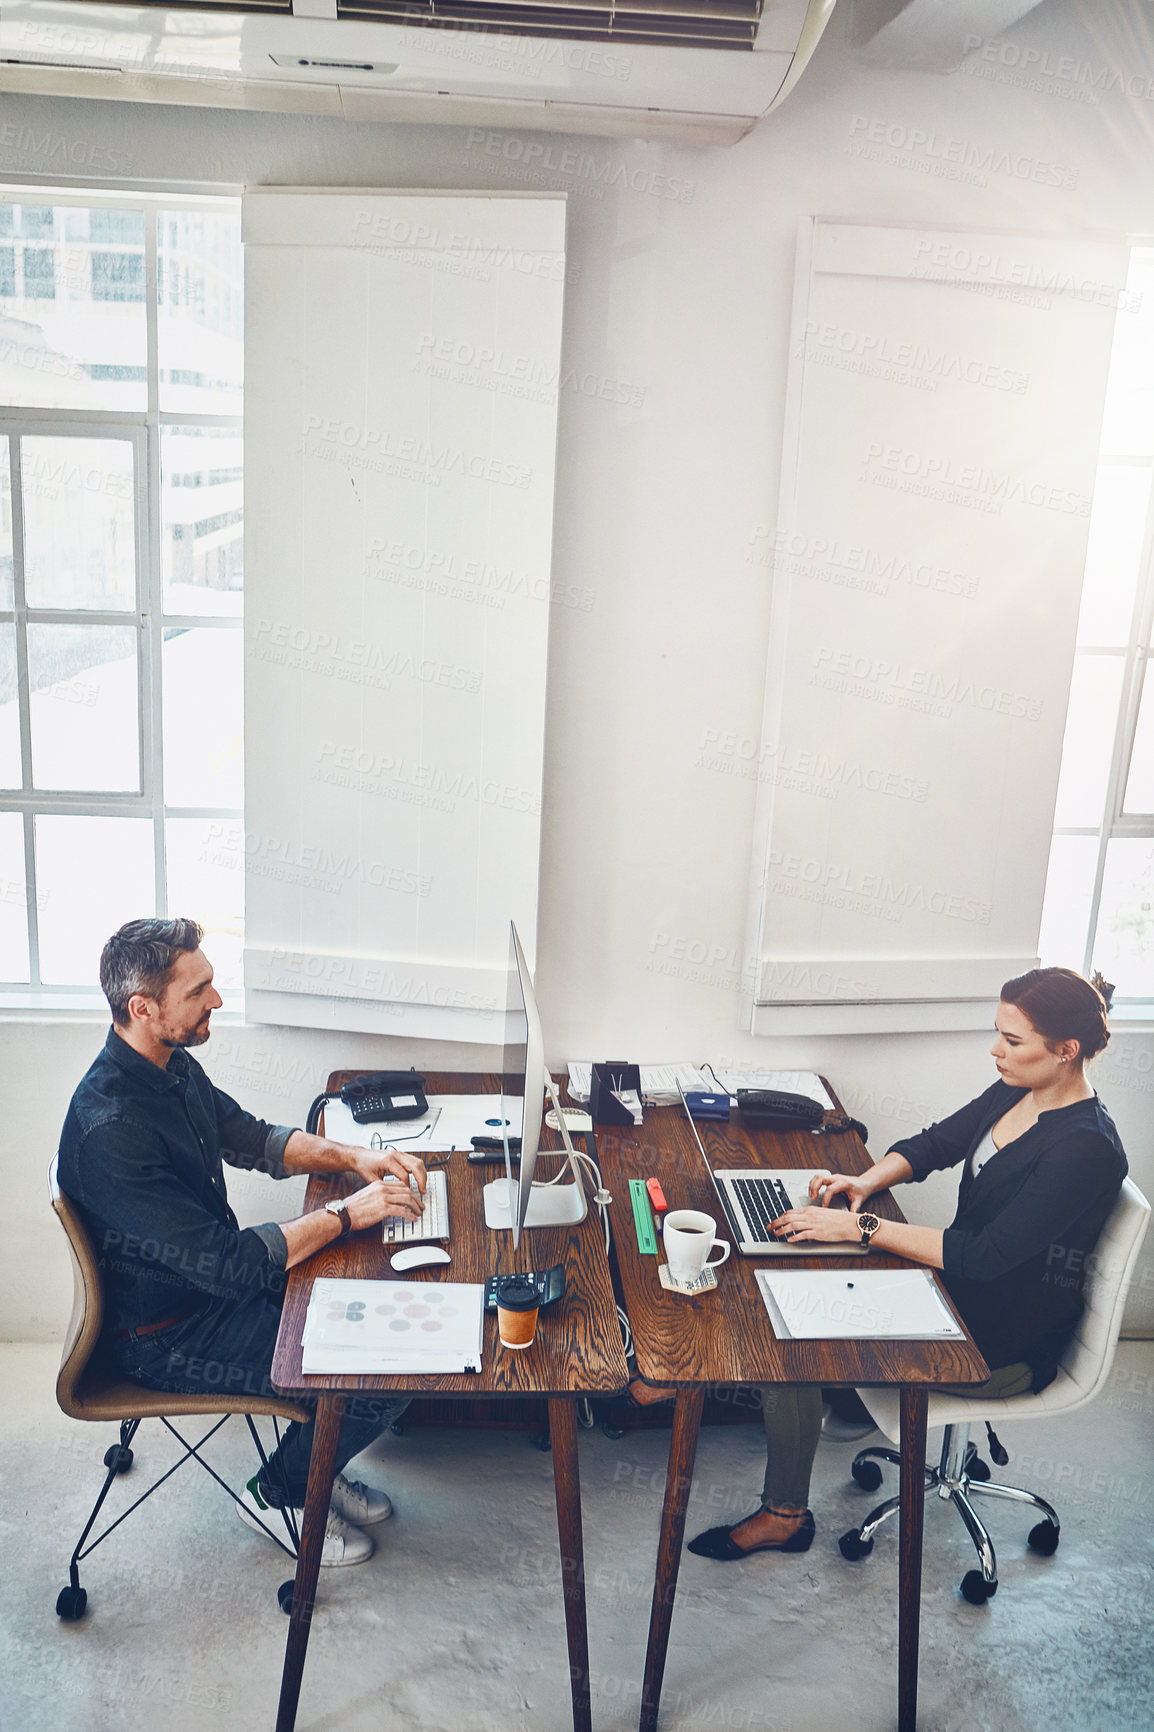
867, 1227
341, 1211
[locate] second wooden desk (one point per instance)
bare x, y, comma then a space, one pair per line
724, 1337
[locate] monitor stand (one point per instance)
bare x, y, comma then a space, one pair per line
550, 1205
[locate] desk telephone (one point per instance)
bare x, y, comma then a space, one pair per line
775, 1110
386, 1097
771, 1109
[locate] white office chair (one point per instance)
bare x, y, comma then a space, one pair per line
1082, 1373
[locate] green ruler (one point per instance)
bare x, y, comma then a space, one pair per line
642, 1217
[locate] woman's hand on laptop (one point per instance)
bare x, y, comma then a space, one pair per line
820, 1224
824, 1187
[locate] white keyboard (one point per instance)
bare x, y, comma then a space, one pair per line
433, 1221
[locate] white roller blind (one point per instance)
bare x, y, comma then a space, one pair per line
402, 357
941, 440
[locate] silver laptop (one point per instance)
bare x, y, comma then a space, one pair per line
752, 1198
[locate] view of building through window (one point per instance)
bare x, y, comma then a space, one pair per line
1099, 909
121, 591
121, 576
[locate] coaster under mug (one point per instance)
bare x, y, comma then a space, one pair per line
704, 1283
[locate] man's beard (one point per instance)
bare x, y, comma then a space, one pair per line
196, 1038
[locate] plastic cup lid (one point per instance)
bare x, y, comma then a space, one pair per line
517, 1293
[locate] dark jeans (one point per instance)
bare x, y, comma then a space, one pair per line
227, 1349
792, 1416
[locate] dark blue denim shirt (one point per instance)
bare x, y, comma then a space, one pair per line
141, 1156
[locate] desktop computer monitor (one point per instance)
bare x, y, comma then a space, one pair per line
516, 1201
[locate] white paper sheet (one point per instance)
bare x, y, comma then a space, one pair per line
449, 1123
393, 1327
859, 1304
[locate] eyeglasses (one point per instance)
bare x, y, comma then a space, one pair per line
432, 1159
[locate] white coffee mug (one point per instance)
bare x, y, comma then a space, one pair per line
689, 1238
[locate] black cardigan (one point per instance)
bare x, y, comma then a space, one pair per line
1014, 1256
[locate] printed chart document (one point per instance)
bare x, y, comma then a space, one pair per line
449, 1124
857, 1305
393, 1327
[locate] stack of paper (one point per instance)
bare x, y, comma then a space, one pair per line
790, 1082
393, 1327
857, 1305
658, 1081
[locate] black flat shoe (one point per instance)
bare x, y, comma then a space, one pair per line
719, 1543
627, 1396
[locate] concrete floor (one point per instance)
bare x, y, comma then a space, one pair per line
457, 1621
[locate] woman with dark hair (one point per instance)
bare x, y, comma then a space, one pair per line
1042, 1166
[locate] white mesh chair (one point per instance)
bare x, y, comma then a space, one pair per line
1082, 1373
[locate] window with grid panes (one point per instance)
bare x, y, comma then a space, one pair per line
121, 578
1099, 907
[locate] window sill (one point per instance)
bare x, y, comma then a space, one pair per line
1133, 1014
80, 1004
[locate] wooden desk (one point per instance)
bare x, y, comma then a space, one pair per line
725, 1337
578, 1351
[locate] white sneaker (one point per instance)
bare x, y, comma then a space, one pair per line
359, 1503
343, 1543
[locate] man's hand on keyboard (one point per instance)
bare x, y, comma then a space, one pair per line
379, 1163
382, 1198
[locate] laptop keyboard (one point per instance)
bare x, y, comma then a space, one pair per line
433, 1221
763, 1201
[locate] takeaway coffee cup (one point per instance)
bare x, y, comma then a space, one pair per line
517, 1302
689, 1238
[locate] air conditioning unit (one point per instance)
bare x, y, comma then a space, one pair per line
701, 71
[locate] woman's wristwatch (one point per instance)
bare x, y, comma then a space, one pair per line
341, 1211
867, 1226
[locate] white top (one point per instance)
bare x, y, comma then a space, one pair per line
982, 1153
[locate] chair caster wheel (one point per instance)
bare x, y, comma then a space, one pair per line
284, 1596
119, 1457
543, 1442
976, 1589
613, 1432
1044, 1539
978, 1469
867, 1474
397, 1428
71, 1603
852, 1546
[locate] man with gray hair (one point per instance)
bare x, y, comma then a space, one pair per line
192, 1300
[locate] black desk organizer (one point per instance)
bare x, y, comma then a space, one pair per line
604, 1107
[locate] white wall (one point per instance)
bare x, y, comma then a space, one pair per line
660, 652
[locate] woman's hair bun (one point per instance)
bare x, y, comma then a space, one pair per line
1063, 1005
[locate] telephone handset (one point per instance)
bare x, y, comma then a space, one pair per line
386, 1097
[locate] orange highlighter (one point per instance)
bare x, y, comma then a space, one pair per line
657, 1198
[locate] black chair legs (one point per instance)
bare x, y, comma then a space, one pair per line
72, 1601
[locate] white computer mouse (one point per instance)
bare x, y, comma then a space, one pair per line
418, 1257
